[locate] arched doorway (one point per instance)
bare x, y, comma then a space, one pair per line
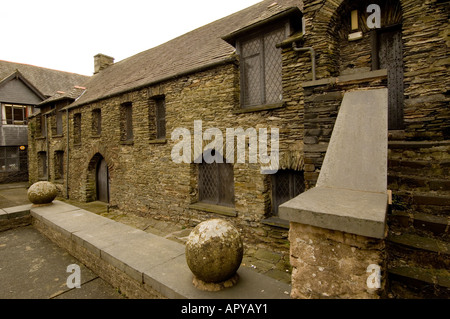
97, 184
374, 49
102, 181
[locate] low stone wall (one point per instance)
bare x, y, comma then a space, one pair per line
118, 279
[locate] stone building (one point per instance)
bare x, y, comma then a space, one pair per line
276, 65
22, 88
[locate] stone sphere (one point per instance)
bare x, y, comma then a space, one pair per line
42, 192
214, 251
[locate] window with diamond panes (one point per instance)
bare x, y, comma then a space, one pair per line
216, 184
286, 184
261, 69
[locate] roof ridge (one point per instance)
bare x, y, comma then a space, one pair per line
45, 68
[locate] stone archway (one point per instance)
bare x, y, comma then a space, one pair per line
371, 49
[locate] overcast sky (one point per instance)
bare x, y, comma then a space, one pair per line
65, 35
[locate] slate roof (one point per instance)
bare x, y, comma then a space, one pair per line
46, 81
194, 50
71, 94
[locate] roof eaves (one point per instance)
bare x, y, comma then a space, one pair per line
225, 60
276, 16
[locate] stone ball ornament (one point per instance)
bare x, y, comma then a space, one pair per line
214, 251
41, 193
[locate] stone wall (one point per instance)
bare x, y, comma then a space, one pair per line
334, 264
143, 178
322, 100
425, 60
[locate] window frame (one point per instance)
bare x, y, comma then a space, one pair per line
293, 192
223, 173
126, 123
160, 118
77, 133
59, 165
96, 122
259, 35
26, 111
42, 166
7, 160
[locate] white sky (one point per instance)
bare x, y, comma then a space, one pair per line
66, 34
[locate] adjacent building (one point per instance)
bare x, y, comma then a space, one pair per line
22, 88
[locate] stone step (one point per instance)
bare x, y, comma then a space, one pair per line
416, 282
419, 146
426, 202
399, 181
420, 242
409, 249
438, 226
419, 167
429, 155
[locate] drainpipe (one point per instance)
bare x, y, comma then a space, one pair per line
313, 57
67, 155
47, 146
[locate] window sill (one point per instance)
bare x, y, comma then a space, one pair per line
259, 108
77, 144
131, 142
276, 221
95, 136
217, 209
40, 137
57, 136
158, 141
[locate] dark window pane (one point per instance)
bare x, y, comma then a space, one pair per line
160, 119
286, 184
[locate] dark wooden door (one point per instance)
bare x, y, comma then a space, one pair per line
102, 181
391, 58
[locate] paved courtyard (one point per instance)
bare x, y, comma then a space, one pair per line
32, 266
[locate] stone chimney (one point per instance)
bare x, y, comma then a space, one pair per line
102, 61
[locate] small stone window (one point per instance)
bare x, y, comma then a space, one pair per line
59, 123
59, 165
286, 184
160, 118
42, 166
77, 128
96, 122
216, 184
157, 119
126, 122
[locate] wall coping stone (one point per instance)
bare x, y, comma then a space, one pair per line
363, 76
351, 191
151, 260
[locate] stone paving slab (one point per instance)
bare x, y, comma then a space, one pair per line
147, 258
174, 280
33, 267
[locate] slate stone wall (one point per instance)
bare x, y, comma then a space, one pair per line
143, 178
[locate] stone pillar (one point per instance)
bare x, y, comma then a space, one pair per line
337, 229
334, 264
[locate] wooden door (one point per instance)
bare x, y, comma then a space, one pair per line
391, 58
102, 181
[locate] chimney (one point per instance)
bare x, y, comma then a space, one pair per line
102, 61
